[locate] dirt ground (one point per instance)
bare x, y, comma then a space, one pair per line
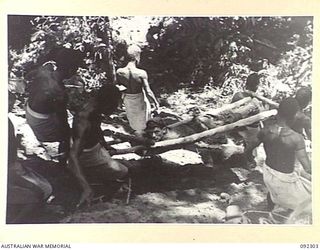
159, 194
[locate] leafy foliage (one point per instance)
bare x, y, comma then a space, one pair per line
87, 34
180, 52
223, 50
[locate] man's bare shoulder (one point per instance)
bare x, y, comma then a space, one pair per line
142, 73
121, 71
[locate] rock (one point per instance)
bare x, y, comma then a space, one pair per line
241, 173
182, 157
225, 197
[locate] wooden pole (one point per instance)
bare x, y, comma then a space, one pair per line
229, 106
263, 99
195, 137
126, 150
126, 138
215, 111
180, 123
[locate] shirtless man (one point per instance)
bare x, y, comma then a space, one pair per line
252, 85
46, 109
26, 190
303, 122
137, 93
88, 156
282, 145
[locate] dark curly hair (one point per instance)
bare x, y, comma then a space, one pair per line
156, 122
303, 96
66, 58
252, 82
288, 108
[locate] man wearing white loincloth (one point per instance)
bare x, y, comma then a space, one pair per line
46, 109
282, 145
89, 159
137, 93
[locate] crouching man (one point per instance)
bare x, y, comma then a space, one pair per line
27, 191
88, 157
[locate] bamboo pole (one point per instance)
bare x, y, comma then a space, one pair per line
195, 137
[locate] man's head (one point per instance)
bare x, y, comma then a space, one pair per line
67, 60
288, 108
133, 53
108, 98
156, 129
252, 82
303, 96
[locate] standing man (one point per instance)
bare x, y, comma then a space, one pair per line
137, 93
89, 159
282, 145
46, 109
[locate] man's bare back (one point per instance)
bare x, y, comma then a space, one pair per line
132, 79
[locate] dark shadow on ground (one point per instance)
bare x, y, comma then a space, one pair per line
150, 175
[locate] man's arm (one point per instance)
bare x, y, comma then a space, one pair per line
307, 127
74, 163
303, 158
59, 99
253, 143
62, 115
237, 96
148, 90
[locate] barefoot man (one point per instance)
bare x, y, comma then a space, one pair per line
88, 156
282, 145
46, 110
137, 93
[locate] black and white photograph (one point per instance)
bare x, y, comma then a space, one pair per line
159, 119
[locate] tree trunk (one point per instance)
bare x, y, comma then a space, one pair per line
108, 65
